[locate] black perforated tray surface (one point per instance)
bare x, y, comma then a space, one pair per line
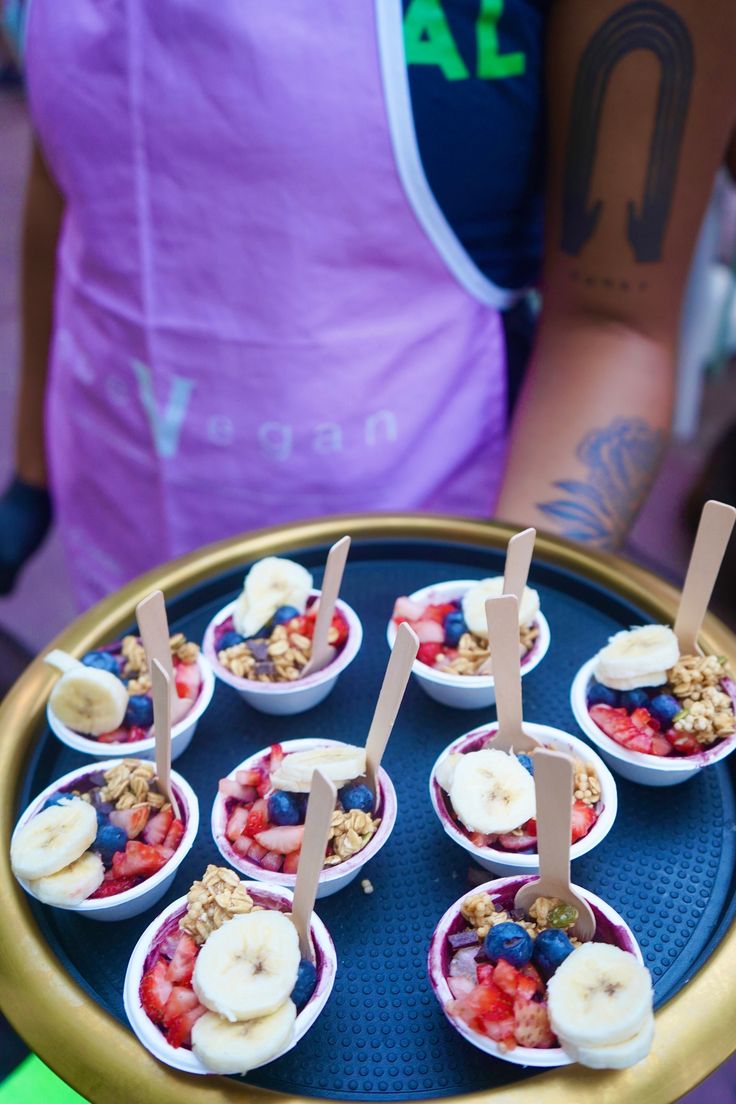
666, 866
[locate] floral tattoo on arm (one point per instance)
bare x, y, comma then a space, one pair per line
621, 460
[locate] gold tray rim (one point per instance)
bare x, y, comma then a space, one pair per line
41, 1000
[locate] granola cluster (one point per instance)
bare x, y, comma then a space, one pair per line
586, 787
707, 710
128, 784
217, 898
473, 653
135, 668
279, 657
349, 833
481, 913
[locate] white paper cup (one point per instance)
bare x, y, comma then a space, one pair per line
132, 901
180, 1057
503, 890
333, 878
637, 766
510, 862
465, 691
286, 698
181, 733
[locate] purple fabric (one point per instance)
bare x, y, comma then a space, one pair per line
251, 325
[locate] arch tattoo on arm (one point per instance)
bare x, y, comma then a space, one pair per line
642, 25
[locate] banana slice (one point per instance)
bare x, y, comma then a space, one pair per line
248, 967
73, 884
226, 1047
599, 996
492, 792
446, 771
341, 764
53, 839
270, 583
637, 657
617, 1055
474, 604
89, 700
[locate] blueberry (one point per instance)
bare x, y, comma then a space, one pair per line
284, 808
56, 799
229, 640
510, 942
454, 628
634, 699
139, 712
103, 661
664, 708
598, 694
526, 763
551, 948
356, 796
108, 840
306, 979
284, 613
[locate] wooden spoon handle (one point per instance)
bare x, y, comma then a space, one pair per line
553, 778
321, 805
153, 625
161, 693
403, 654
331, 582
711, 540
519, 553
503, 639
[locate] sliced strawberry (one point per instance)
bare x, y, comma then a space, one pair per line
684, 743
132, 821
483, 1007
506, 977
155, 990
530, 982
187, 679
157, 827
256, 852
138, 860
531, 1024
429, 632
583, 819
257, 818
439, 611
304, 625
512, 842
252, 777
237, 822
174, 836
428, 653
272, 860
179, 1032
614, 721
118, 736
136, 733
641, 742
529, 827
478, 839
228, 787
283, 838
644, 720
182, 999
406, 610
242, 845
484, 973
660, 745
111, 886
291, 862
276, 759
181, 966
338, 631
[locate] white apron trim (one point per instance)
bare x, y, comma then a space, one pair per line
390, 31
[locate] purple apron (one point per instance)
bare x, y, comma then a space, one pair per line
261, 314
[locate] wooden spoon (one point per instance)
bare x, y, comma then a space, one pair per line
403, 654
519, 553
711, 540
503, 637
161, 693
153, 625
553, 778
322, 652
320, 807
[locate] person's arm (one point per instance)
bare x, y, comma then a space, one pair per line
25, 508
642, 101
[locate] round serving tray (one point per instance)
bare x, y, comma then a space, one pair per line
667, 865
